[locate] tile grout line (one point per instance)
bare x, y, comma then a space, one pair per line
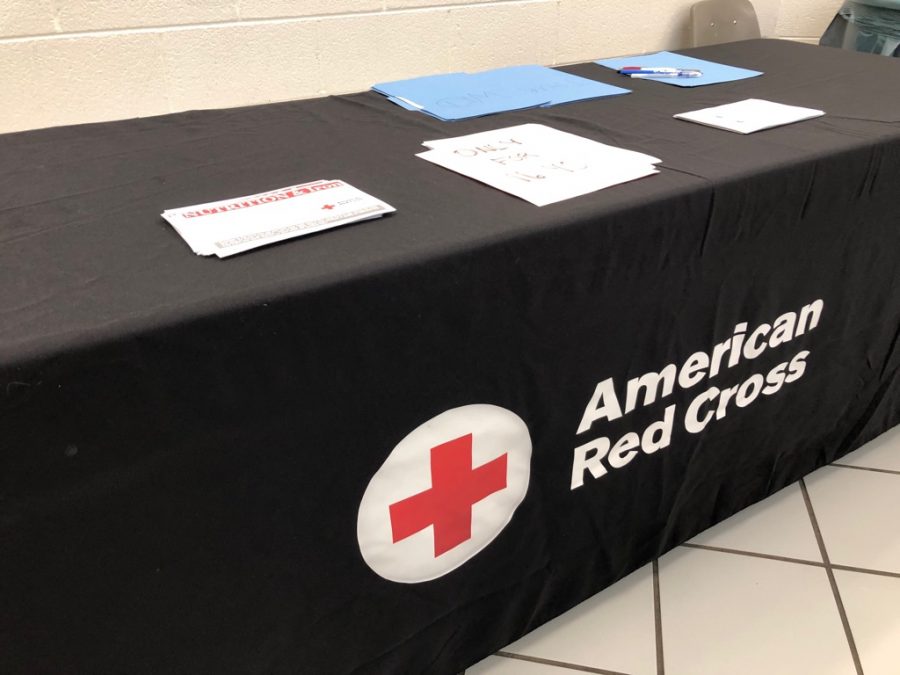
558, 664
752, 554
862, 570
657, 619
866, 468
830, 572
797, 561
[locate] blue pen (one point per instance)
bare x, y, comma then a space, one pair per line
638, 71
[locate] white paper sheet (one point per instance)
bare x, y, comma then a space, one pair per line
747, 116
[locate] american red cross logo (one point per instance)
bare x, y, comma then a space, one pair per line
468, 470
447, 505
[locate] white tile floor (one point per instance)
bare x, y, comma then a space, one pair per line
804, 583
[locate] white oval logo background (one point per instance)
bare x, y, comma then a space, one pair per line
495, 433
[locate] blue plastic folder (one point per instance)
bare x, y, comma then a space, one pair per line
457, 96
713, 73
402, 103
558, 87
418, 88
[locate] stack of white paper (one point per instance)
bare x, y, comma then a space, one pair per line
750, 115
235, 225
539, 164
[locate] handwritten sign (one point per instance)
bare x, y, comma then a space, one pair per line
539, 164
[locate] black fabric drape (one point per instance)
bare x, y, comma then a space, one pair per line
184, 441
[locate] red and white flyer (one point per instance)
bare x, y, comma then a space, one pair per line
239, 224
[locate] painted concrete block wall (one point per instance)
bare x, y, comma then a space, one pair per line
72, 61
805, 20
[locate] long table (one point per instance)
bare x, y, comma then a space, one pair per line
396, 446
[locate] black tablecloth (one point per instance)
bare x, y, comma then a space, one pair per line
185, 442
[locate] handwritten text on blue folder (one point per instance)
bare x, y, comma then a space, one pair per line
713, 73
457, 96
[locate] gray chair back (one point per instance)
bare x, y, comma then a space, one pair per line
716, 21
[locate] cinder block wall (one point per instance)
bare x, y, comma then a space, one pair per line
70, 61
805, 20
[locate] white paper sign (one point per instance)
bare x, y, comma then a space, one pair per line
232, 226
537, 163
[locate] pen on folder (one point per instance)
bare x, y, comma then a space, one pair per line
638, 71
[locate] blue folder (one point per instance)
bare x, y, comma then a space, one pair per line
713, 73
456, 96
418, 87
558, 87
453, 96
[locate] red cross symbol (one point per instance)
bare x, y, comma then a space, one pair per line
328, 206
447, 504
